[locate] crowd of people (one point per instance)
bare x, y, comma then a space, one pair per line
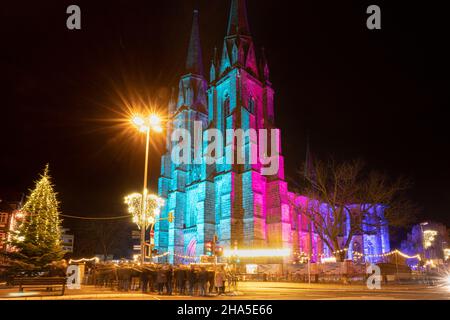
193, 280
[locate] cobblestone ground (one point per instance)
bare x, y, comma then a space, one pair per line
251, 291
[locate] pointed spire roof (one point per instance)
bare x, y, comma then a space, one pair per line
238, 22
309, 160
264, 65
194, 62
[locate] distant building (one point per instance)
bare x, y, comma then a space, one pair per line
6, 212
430, 240
67, 240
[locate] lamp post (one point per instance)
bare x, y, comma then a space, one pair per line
145, 125
422, 237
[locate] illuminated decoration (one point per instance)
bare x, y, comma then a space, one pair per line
94, 259
257, 253
166, 254
37, 240
251, 268
429, 237
238, 203
19, 215
152, 208
430, 263
447, 254
328, 260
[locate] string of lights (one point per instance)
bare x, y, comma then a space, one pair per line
96, 259
95, 218
165, 254
359, 254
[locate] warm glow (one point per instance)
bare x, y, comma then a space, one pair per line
328, 260
152, 208
429, 237
153, 122
257, 253
138, 121
94, 259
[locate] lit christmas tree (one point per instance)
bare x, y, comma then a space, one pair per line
37, 242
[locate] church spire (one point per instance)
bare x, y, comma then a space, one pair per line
194, 62
238, 22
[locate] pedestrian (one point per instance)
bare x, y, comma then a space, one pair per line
219, 281
180, 277
211, 275
152, 279
169, 279
145, 275
161, 280
192, 277
229, 279
126, 278
202, 279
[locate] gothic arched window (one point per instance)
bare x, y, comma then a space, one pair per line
226, 106
251, 105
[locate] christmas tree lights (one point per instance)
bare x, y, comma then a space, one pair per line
37, 241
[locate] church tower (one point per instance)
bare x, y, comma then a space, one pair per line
251, 209
183, 186
233, 201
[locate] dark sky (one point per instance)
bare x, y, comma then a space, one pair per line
380, 95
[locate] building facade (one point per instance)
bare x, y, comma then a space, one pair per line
430, 240
67, 240
5, 218
235, 202
10, 217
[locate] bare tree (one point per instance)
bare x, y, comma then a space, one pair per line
345, 200
105, 237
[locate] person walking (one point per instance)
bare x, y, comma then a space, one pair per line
126, 278
219, 281
192, 277
180, 276
211, 275
169, 278
153, 280
145, 274
161, 280
202, 279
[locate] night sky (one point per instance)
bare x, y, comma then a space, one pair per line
379, 95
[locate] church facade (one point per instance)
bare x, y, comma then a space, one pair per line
235, 202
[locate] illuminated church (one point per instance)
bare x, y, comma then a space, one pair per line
236, 203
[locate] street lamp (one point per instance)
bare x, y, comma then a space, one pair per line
422, 237
145, 125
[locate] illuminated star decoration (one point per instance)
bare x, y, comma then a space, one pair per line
152, 208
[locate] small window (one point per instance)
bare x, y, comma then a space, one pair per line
3, 218
226, 106
251, 105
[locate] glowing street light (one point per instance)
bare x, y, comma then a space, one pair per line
146, 124
146, 215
